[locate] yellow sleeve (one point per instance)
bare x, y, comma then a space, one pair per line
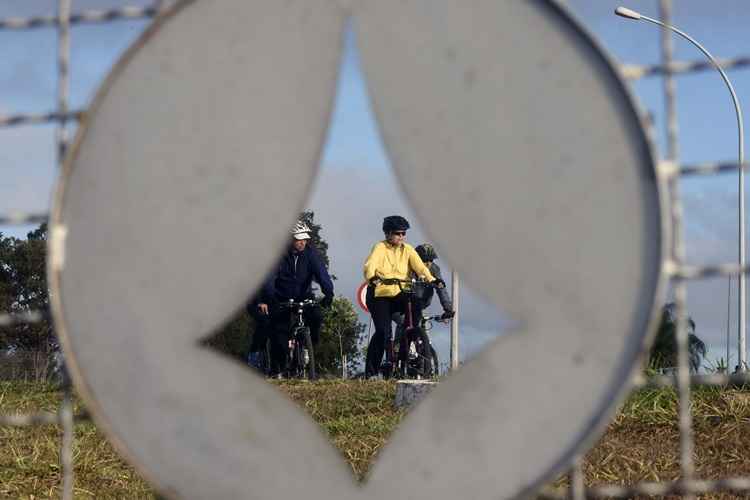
372, 261
418, 266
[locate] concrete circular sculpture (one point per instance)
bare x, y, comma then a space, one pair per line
176, 198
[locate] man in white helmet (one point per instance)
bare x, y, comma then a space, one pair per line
300, 265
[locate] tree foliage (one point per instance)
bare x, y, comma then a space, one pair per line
316, 240
340, 338
23, 288
664, 350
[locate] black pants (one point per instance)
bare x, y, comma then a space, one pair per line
382, 310
262, 324
280, 331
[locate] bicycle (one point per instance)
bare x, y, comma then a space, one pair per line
428, 364
415, 356
300, 356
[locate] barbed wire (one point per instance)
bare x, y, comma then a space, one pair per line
22, 219
85, 17
636, 72
20, 318
41, 418
38, 118
677, 269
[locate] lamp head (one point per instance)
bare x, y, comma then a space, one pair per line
627, 13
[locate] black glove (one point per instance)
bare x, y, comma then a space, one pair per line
448, 315
327, 301
438, 283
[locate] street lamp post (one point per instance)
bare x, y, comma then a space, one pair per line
741, 348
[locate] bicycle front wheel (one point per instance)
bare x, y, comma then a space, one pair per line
423, 365
435, 368
311, 371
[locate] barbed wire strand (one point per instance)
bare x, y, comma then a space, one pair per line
19, 119
85, 17
22, 219
680, 272
21, 318
636, 72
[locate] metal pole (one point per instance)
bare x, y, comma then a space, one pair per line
343, 357
665, 12
576, 477
741, 340
454, 322
63, 84
729, 299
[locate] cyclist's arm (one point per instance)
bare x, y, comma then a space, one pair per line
257, 304
372, 263
268, 292
442, 293
320, 273
416, 264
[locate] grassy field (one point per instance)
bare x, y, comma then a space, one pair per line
642, 442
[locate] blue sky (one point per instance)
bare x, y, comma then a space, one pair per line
356, 187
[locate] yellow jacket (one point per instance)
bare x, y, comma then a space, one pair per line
389, 262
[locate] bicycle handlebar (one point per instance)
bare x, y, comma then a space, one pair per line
400, 282
291, 303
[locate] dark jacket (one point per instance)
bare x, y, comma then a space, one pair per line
294, 274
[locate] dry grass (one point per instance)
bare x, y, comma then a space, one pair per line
358, 416
641, 443
29, 456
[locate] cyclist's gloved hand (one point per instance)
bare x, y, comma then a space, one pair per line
439, 283
448, 315
327, 301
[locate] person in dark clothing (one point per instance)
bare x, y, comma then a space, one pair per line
428, 255
260, 335
292, 279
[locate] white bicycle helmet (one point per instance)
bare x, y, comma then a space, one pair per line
301, 231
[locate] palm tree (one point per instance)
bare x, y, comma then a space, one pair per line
664, 351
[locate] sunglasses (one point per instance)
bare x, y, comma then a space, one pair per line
399, 233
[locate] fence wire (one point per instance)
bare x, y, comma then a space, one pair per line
669, 168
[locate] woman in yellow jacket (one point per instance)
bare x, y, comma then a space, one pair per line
389, 259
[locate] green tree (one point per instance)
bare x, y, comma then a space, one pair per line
317, 241
340, 338
664, 350
234, 337
23, 288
